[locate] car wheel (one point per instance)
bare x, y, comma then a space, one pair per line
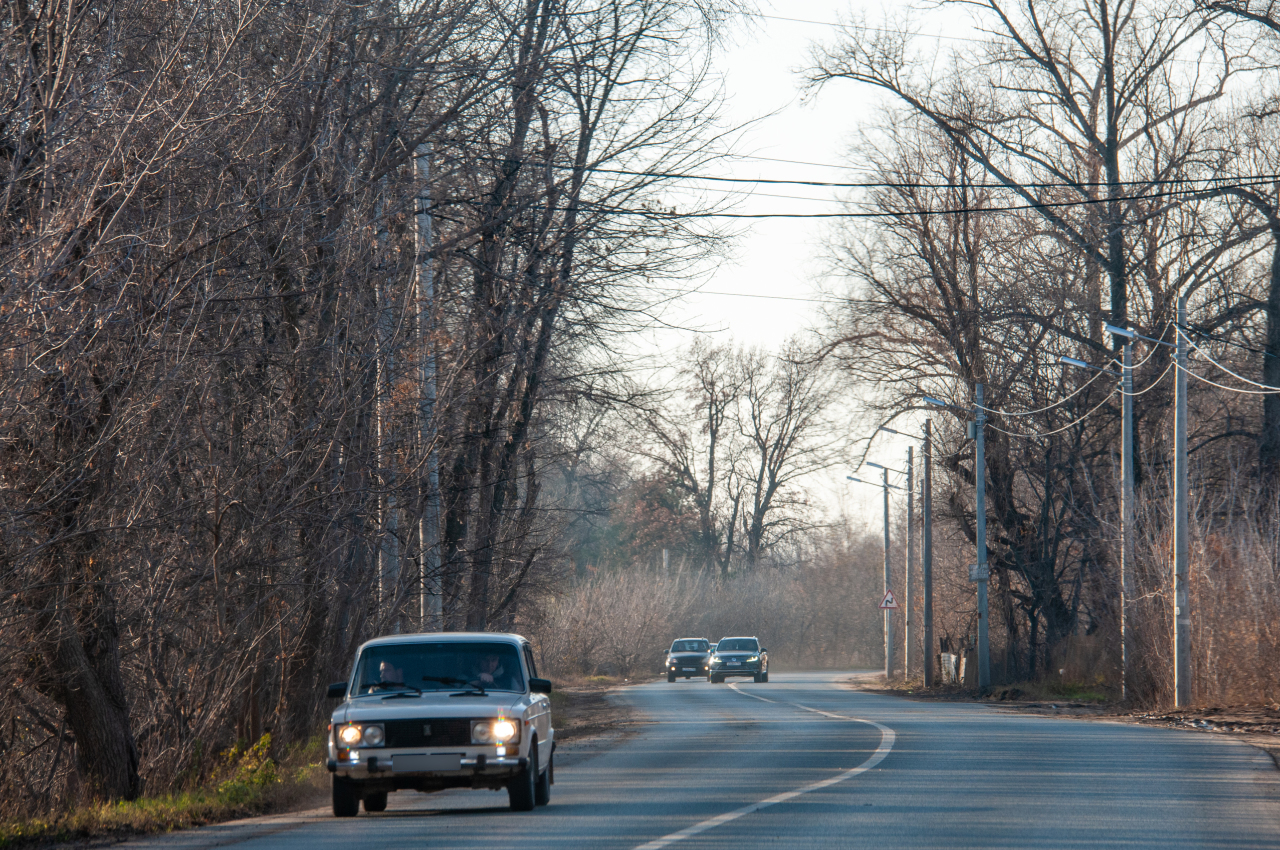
717, 679
671, 677
764, 677
758, 678
375, 802
520, 790
542, 787
346, 798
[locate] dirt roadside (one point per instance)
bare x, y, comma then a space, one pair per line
587, 719
1256, 724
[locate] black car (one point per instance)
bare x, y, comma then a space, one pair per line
739, 656
688, 657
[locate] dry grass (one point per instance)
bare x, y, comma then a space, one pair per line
248, 782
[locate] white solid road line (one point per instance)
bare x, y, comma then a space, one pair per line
887, 738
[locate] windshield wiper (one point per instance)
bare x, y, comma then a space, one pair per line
409, 691
478, 689
402, 690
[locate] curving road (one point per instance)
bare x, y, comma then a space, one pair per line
802, 762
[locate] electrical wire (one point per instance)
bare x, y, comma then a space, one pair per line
1058, 403
1213, 383
664, 214
1071, 424
1266, 389
1153, 384
1223, 182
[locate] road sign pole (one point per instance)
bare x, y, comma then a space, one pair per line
980, 487
888, 615
926, 552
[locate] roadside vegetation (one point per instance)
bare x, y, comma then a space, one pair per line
240, 782
318, 321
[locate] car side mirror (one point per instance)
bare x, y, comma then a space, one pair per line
762, 649
337, 690
539, 686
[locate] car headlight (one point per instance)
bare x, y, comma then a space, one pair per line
715, 660
358, 735
500, 731
754, 658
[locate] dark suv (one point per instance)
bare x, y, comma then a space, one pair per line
739, 656
688, 657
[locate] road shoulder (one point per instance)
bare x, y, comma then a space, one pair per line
1257, 725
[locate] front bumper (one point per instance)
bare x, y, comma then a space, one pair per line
688, 668
380, 764
747, 668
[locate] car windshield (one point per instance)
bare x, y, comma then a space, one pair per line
738, 645
438, 666
689, 646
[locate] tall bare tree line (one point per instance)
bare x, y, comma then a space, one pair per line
215, 326
1080, 162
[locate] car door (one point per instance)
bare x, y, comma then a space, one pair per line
541, 704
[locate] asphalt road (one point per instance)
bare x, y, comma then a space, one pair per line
802, 762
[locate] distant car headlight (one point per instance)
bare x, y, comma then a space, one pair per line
350, 735
500, 731
715, 660
374, 736
754, 658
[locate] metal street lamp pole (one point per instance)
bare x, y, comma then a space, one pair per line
1126, 518
888, 621
1181, 570
926, 546
888, 616
911, 549
980, 486
926, 551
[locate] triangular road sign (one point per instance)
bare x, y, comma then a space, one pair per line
889, 601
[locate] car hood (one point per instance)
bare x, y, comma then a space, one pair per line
432, 704
680, 656
736, 656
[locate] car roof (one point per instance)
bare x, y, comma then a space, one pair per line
446, 637
691, 639
740, 637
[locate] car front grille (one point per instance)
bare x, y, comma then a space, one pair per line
436, 732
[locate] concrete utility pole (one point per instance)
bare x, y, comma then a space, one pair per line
911, 549
980, 486
1181, 567
1126, 516
430, 601
926, 546
888, 615
926, 551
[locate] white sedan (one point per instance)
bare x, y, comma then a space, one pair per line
433, 711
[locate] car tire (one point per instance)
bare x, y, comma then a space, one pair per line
716, 680
520, 790
542, 787
758, 678
671, 677
346, 798
764, 677
376, 802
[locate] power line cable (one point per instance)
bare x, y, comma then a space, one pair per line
1058, 403
1213, 383
664, 214
1267, 389
1071, 424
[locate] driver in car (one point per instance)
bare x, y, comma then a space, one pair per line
390, 675
489, 671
